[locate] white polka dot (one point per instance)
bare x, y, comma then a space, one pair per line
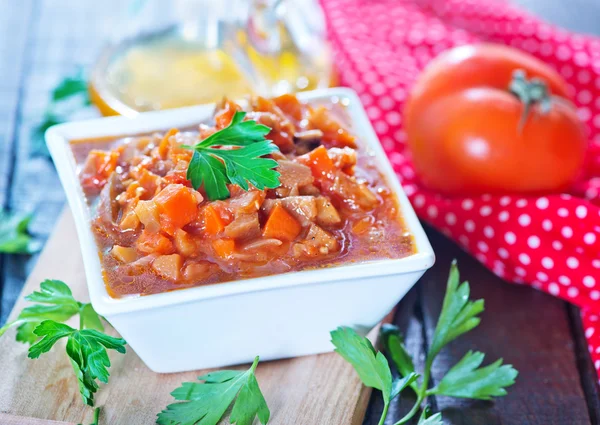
564, 280
581, 211
567, 232
510, 238
557, 245
524, 220
488, 231
588, 334
533, 242
503, 253
482, 246
542, 203
521, 203
419, 201
520, 271
480, 257
432, 211
505, 200
562, 212
553, 289
595, 295
572, 292
450, 219
467, 204
547, 263
572, 262
469, 226
541, 276
547, 225
503, 216
589, 281
485, 210
596, 264
524, 259
589, 238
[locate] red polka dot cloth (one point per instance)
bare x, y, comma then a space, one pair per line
550, 242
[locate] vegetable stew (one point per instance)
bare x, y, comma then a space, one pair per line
159, 229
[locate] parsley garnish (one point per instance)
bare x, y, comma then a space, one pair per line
69, 96
206, 403
215, 168
465, 379
14, 238
41, 326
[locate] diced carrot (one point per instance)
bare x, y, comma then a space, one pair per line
177, 205
334, 135
319, 162
362, 225
163, 147
281, 225
150, 243
290, 105
227, 110
224, 248
213, 223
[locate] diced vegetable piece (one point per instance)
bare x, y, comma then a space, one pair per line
225, 111
165, 144
130, 221
147, 213
224, 248
150, 242
327, 215
198, 271
290, 105
317, 242
294, 174
124, 254
344, 159
177, 204
302, 208
244, 226
184, 243
213, 223
363, 225
245, 202
281, 225
319, 162
334, 135
168, 266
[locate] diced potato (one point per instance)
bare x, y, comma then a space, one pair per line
147, 213
124, 254
130, 221
198, 271
327, 215
184, 243
168, 266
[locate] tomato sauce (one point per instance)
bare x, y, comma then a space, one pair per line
156, 233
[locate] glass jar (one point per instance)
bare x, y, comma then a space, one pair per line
187, 52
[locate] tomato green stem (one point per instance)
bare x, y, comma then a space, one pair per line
530, 92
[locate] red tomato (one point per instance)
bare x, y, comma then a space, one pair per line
469, 134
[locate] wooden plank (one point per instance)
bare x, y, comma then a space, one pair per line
321, 389
527, 328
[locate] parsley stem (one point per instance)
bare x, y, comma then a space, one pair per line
420, 395
96, 416
386, 406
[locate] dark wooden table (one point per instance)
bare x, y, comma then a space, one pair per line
41, 41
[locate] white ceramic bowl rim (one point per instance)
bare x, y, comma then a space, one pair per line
58, 139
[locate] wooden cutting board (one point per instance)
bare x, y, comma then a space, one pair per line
321, 389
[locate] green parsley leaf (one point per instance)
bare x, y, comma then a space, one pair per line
215, 168
466, 379
55, 302
392, 342
458, 315
206, 403
427, 418
14, 238
70, 95
87, 350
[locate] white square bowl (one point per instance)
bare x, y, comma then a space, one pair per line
280, 316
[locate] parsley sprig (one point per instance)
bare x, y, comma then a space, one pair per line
14, 237
41, 325
465, 379
234, 155
206, 403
